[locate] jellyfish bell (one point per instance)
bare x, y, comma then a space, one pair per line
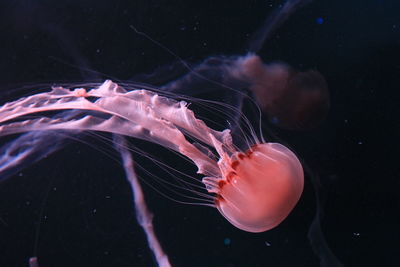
264, 187
260, 187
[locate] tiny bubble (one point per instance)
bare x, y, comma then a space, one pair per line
94, 210
108, 197
319, 20
356, 234
360, 142
275, 120
98, 50
267, 244
54, 188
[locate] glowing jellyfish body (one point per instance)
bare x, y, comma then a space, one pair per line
262, 188
255, 190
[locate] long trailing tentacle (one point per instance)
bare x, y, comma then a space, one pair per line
143, 214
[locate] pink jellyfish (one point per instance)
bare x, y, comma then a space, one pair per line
254, 190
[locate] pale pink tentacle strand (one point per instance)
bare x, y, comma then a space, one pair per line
143, 215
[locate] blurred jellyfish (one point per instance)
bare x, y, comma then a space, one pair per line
291, 99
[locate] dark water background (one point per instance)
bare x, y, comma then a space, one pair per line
81, 195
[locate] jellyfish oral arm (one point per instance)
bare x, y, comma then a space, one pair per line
138, 113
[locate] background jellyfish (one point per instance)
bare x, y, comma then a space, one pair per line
359, 211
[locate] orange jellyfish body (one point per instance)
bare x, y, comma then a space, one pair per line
262, 188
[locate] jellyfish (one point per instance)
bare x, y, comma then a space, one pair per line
255, 189
231, 174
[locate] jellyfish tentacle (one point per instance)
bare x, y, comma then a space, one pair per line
137, 106
143, 214
29, 149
